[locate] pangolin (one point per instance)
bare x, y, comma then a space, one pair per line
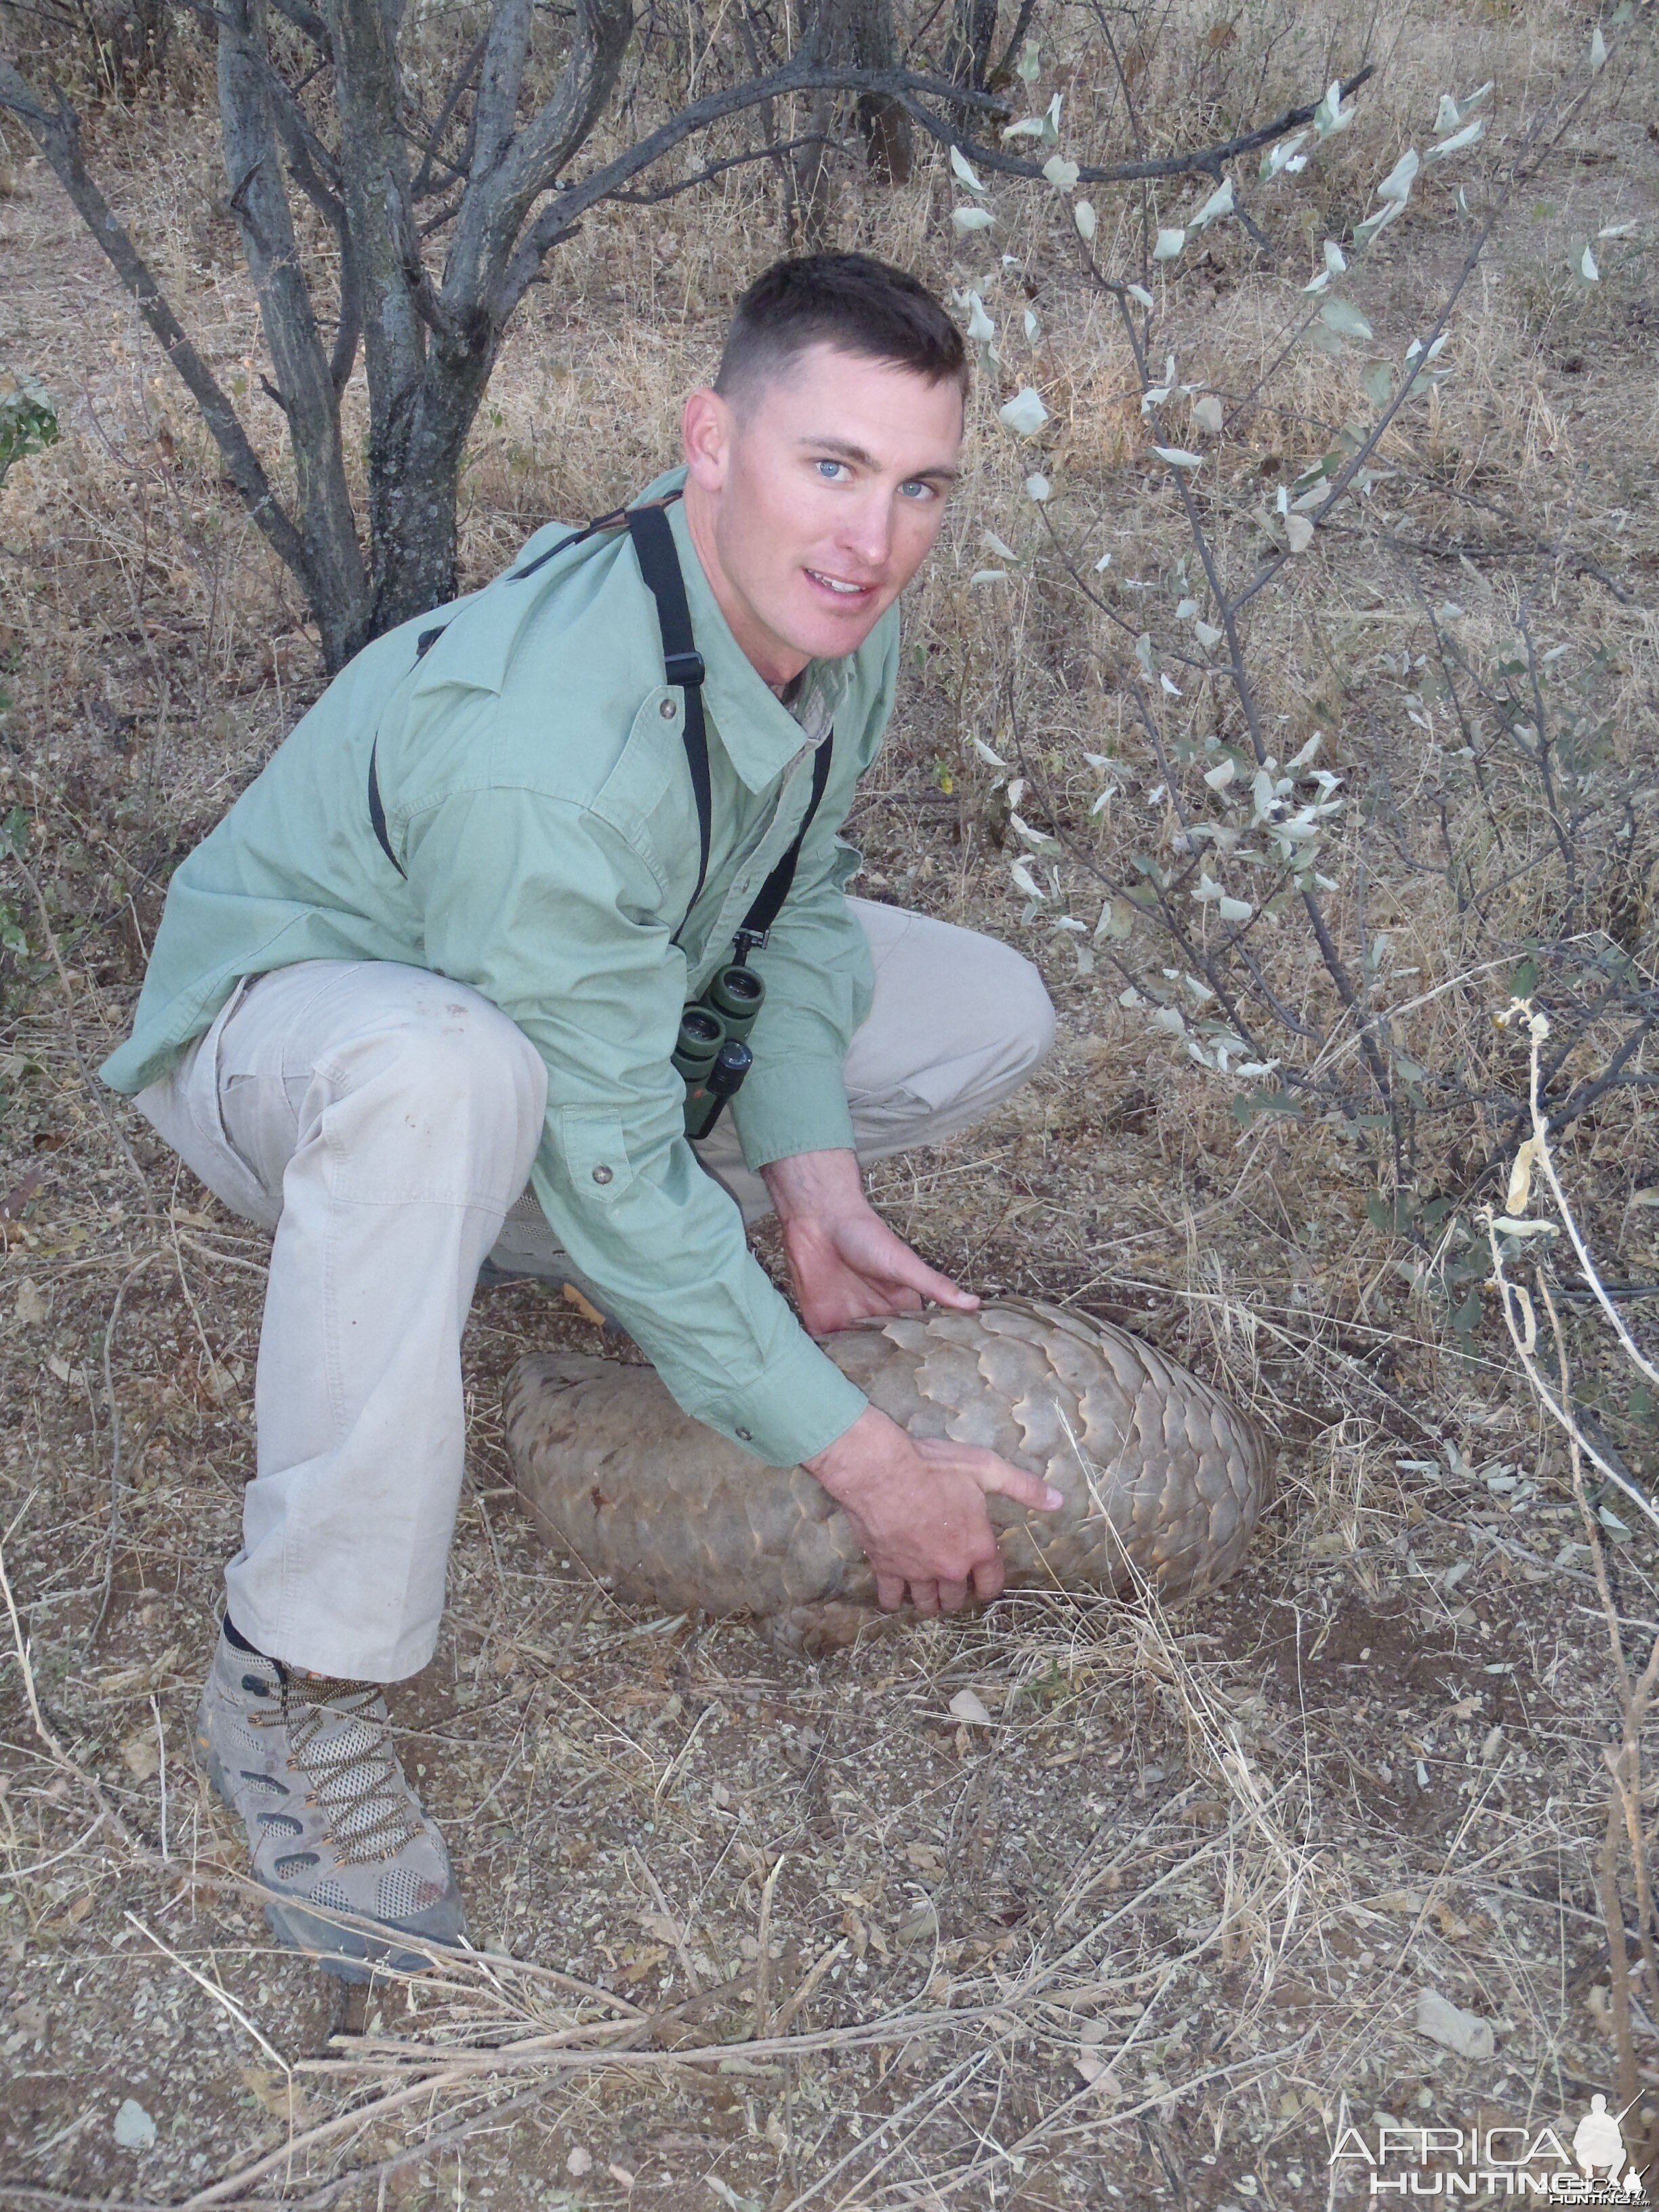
1163, 1480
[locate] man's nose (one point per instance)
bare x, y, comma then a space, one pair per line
867, 530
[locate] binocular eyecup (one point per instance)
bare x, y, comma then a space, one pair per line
711, 1052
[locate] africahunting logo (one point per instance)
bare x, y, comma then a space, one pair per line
1532, 2164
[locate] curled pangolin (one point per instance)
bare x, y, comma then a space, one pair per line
1162, 1480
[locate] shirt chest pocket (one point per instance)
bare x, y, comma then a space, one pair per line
594, 1154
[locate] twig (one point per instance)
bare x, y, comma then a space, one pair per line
763, 1954
116, 1486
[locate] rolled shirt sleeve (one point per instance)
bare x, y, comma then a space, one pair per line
579, 958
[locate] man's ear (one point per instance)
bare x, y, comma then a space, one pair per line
706, 429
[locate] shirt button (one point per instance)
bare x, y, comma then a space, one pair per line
603, 1175
668, 710
747, 1435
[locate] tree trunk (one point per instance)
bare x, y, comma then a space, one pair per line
858, 33
305, 388
972, 35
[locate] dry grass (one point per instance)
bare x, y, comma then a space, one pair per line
785, 1933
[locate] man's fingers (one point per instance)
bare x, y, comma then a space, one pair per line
940, 1288
993, 1473
952, 1596
924, 1596
989, 1576
889, 1592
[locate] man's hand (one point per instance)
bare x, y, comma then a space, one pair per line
846, 1262
919, 1508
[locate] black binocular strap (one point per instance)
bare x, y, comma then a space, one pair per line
768, 905
660, 565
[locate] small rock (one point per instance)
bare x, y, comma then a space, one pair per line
921, 1927
30, 1308
1453, 2028
133, 2127
141, 1755
1098, 2073
580, 2162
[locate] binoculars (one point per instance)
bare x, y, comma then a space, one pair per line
712, 1054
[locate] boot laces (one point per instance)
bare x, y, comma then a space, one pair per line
344, 1748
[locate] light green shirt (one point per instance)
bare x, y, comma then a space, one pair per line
534, 780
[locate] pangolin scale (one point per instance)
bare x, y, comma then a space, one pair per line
1163, 1480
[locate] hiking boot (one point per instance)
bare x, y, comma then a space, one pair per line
331, 1821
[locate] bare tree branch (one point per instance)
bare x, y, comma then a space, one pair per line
1206, 161
304, 374
507, 44
731, 161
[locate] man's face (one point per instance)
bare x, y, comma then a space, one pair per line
814, 496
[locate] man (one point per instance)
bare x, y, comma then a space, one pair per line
440, 949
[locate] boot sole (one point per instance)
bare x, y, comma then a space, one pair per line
345, 1952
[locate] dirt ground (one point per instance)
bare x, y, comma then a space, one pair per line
1163, 1925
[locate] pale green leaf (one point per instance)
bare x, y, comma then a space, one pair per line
1178, 457
1082, 215
1397, 184
1330, 116
1207, 413
1170, 243
1345, 318
1281, 156
968, 219
1061, 173
964, 168
1220, 202
1598, 49
1025, 414
1460, 142
1365, 232
1037, 488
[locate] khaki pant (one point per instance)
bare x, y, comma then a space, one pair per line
382, 1122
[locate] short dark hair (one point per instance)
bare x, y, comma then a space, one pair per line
849, 300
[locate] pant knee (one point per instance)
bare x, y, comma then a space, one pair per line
1031, 1015
453, 1084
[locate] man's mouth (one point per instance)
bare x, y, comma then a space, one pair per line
840, 586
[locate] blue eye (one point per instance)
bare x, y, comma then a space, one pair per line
829, 470
915, 490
